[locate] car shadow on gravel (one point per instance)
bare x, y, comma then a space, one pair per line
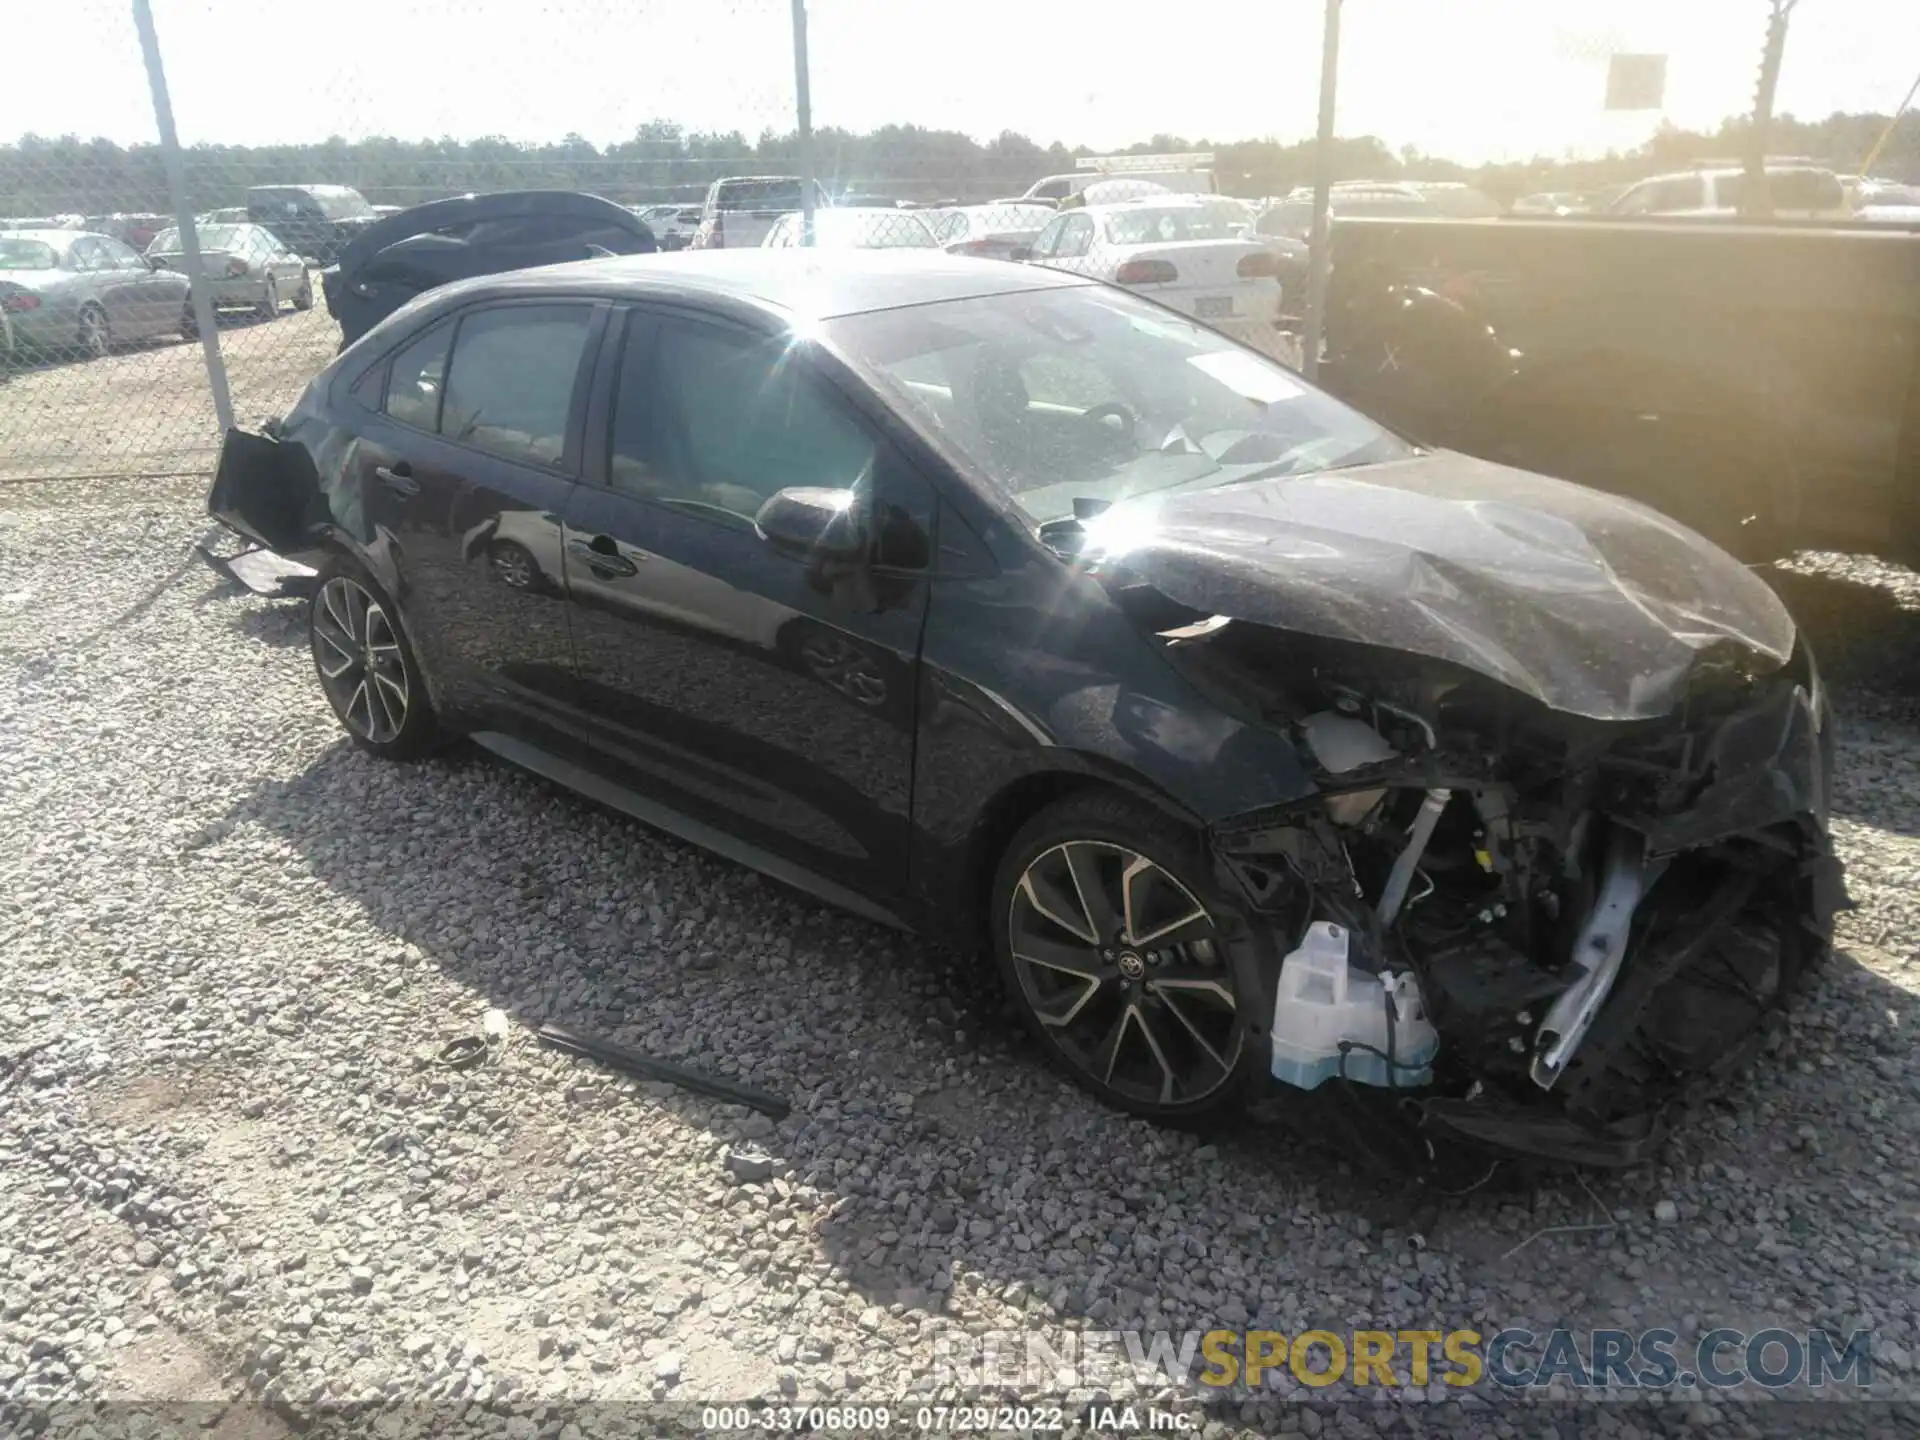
941, 1143
1861, 633
972, 1142
281, 626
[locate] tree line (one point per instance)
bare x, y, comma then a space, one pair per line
662, 161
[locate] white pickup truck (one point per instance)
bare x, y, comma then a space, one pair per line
1184, 174
741, 209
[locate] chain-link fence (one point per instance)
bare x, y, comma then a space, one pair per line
98, 319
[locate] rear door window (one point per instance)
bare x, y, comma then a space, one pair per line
514, 372
730, 420
1076, 238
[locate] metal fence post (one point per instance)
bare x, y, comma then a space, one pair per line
1318, 256
183, 216
803, 104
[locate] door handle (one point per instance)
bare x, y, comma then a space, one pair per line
397, 478
603, 556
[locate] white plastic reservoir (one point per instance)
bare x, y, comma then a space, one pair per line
1324, 1000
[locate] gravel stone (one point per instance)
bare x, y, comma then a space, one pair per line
233, 947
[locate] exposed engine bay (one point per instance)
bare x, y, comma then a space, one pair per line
1551, 926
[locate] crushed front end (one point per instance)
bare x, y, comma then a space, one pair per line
1595, 916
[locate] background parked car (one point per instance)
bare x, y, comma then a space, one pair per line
136, 230
316, 221
1551, 202
863, 229
1188, 254
740, 209
246, 264
673, 226
1798, 192
993, 232
229, 215
1292, 218
68, 292
415, 250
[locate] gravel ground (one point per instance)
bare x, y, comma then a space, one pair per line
232, 1170
146, 407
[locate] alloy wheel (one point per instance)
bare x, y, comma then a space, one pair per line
515, 567
94, 337
1127, 972
358, 652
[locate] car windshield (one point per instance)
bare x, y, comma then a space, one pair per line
1159, 224
1089, 393
18, 254
335, 202
212, 237
758, 195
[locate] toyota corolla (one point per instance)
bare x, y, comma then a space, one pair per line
1261, 748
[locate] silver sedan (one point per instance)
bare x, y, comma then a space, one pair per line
68, 290
246, 264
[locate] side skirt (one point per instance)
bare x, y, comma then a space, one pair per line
695, 832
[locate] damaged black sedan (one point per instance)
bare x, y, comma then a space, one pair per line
1264, 750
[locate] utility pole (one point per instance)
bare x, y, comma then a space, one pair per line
199, 297
803, 103
1756, 197
1319, 248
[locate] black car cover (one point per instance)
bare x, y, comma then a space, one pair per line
430, 245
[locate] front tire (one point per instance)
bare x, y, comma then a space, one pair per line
366, 667
1138, 974
270, 302
303, 297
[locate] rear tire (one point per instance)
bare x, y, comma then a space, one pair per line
366, 666
1140, 976
96, 336
303, 297
189, 320
270, 302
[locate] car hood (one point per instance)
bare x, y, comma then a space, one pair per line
1592, 604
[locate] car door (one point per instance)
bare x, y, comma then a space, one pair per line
1071, 243
96, 281
464, 474
155, 298
767, 694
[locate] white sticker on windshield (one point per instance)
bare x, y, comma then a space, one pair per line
1256, 379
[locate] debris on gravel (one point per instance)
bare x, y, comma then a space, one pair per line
234, 1168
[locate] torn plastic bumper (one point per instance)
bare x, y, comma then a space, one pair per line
269, 493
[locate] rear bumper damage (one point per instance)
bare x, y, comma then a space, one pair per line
1594, 944
268, 493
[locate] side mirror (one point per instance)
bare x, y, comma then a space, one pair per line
1020, 252
804, 520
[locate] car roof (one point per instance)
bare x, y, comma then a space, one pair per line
55, 238
820, 283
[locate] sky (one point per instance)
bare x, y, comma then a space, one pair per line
1470, 79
